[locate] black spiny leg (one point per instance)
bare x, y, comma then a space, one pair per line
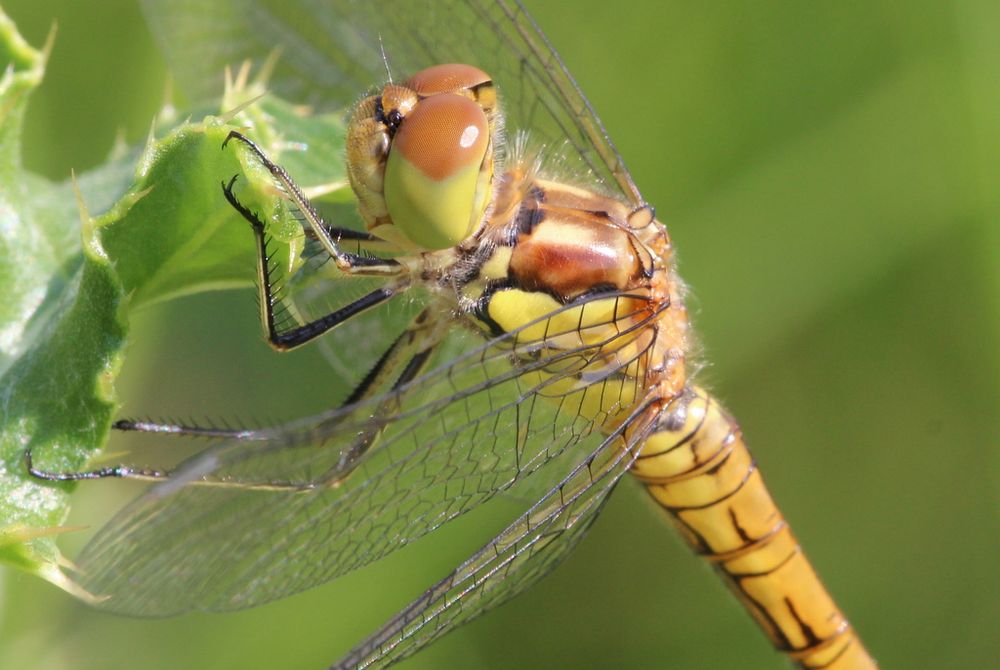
122, 471
130, 425
347, 262
289, 339
409, 354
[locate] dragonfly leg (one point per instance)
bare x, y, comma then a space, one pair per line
416, 351
347, 262
295, 337
118, 471
126, 471
366, 388
402, 346
155, 475
341, 234
146, 474
187, 430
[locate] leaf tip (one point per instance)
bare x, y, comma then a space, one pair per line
148, 157
50, 43
91, 242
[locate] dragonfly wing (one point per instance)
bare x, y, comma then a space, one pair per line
330, 53
514, 560
321, 496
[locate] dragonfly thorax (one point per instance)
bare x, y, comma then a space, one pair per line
420, 157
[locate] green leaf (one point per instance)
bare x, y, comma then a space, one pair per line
167, 231
44, 273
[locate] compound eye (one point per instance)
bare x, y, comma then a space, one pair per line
447, 78
432, 175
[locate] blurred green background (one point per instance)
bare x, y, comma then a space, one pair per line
829, 172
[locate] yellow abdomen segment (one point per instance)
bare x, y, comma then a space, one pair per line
697, 468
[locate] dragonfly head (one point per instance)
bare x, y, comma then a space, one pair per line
420, 156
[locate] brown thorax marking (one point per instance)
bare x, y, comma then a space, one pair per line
567, 242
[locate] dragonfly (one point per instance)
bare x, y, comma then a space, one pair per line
542, 345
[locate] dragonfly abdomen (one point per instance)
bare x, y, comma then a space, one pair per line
697, 467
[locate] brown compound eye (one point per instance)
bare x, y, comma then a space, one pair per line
443, 135
447, 78
432, 176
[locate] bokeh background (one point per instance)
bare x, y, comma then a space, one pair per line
830, 174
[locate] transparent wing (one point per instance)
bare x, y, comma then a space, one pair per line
330, 56
514, 560
248, 522
354, 347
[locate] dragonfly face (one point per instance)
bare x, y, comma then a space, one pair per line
431, 190
504, 199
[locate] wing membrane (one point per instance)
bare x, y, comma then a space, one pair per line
330, 55
429, 451
514, 560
